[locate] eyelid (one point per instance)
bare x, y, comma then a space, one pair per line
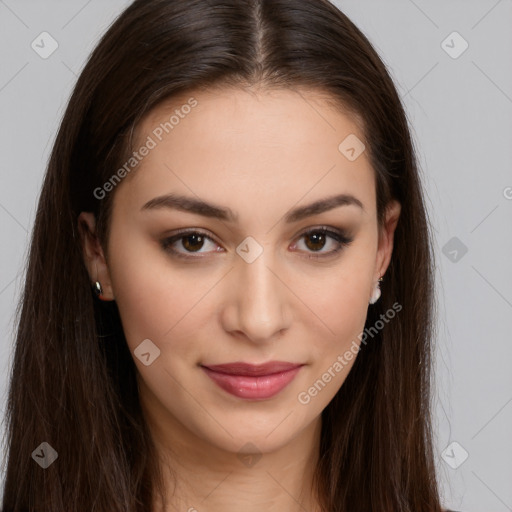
182, 233
340, 236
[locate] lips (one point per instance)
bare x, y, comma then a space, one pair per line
248, 369
250, 381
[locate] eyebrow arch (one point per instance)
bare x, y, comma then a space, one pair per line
199, 207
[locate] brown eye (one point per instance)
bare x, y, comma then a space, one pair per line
317, 239
191, 242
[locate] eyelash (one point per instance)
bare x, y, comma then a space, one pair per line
339, 236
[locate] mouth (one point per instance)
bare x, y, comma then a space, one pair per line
253, 382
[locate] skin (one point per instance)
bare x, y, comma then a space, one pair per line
261, 153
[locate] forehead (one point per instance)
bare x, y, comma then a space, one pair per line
237, 145
259, 113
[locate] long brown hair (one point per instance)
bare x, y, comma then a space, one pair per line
73, 382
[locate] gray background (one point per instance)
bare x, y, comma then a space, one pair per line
461, 114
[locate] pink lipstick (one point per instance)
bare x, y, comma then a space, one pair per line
250, 381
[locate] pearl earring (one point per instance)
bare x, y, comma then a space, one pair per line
98, 290
376, 292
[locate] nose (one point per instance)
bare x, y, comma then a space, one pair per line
257, 303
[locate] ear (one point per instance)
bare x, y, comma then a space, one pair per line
94, 257
386, 236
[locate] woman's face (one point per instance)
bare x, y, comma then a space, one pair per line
245, 282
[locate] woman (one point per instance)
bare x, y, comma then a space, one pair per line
237, 182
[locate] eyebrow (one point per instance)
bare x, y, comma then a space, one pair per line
199, 207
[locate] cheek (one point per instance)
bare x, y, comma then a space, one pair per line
333, 355
159, 300
345, 315
341, 301
144, 297
342, 307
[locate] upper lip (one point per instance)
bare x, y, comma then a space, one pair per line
240, 368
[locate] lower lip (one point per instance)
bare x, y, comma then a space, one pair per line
253, 388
